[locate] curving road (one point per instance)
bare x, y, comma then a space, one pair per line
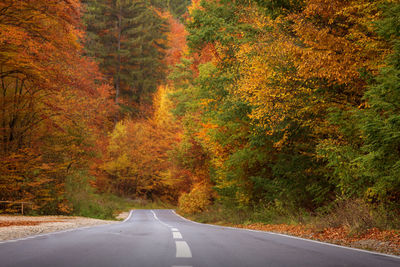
162, 238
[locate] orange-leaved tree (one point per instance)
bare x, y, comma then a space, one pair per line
53, 103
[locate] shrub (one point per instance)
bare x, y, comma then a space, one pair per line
354, 214
196, 200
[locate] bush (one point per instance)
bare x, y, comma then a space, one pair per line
196, 200
353, 214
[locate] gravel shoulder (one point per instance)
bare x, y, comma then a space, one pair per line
14, 227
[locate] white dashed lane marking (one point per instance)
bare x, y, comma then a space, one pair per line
182, 250
177, 235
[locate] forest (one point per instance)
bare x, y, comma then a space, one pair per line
252, 110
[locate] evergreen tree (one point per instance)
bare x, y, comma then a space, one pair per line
381, 122
177, 7
127, 39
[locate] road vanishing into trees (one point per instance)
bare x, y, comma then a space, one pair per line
163, 238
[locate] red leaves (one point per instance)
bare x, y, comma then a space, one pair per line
176, 41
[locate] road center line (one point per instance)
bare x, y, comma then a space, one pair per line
177, 235
155, 217
182, 250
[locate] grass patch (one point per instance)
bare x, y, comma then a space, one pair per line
220, 214
148, 204
86, 202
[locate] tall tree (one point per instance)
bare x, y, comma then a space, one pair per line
127, 38
49, 96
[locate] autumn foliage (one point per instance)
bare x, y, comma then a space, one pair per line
268, 107
53, 102
286, 104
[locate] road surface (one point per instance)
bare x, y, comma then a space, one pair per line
162, 238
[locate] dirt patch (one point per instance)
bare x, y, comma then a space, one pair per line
122, 216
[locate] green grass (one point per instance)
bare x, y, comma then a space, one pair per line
146, 204
219, 214
86, 202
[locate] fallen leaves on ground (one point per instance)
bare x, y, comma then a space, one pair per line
384, 241
23, 223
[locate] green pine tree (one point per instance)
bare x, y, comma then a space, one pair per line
127, 39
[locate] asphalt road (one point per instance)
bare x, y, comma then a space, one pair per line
162, 238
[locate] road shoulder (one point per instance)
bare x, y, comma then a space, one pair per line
16, 227
374, 240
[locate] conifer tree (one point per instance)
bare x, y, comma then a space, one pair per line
127, 39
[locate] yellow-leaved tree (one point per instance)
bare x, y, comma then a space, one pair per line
136, 163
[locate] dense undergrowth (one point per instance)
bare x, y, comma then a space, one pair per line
353, 215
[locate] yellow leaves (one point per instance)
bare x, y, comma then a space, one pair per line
220, 152
279, 73
267, 81
162, 116
339, 41
197, 200
136, 156
205, 102
119, 166
118, 137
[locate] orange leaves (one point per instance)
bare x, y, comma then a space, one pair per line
323, 8
176, 41
54, 105
387, 241
297, 230
29, 43
336, 39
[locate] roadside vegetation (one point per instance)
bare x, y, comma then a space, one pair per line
289, 114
